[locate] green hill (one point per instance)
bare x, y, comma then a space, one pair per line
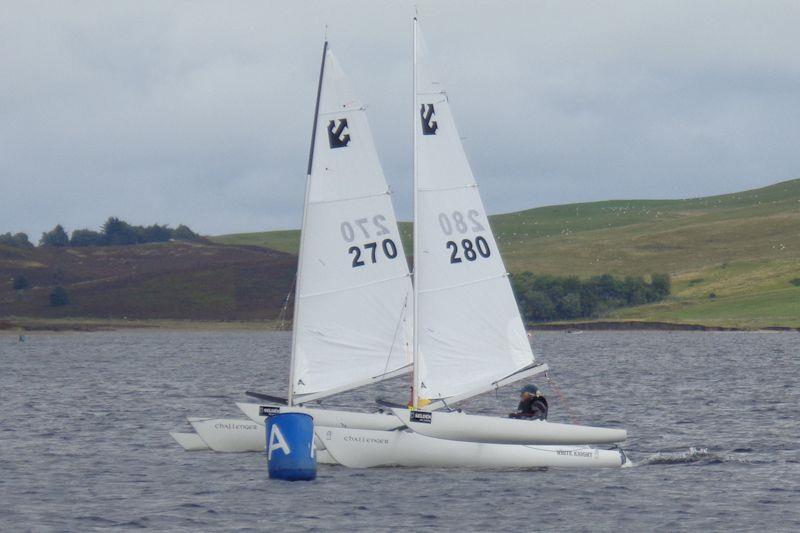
734, 261
732, 257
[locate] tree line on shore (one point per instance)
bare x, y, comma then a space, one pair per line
114, 232
544, 298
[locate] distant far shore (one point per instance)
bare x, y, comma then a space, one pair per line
642, 325
24, 325
16, 325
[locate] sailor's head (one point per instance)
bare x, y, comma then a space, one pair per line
529, 390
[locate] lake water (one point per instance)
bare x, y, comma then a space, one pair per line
84, 444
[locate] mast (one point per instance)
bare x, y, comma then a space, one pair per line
290, 396
461, 283
415, 223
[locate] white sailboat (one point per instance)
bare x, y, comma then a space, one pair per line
468, 333
353, 297
352, 315
469, 337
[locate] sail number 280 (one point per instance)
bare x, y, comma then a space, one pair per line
469, 249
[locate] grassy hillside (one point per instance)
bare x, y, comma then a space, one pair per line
150, 281
742, 247
733, 259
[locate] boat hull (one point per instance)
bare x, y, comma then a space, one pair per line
326, 417
364, 448
230, 434
233, 435
459, 426
358, 448
191, 442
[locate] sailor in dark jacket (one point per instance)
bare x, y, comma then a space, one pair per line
532, 405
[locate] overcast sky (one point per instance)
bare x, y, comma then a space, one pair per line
200, 112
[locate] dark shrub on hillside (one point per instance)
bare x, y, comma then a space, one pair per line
543, 298
154, 233
20, 282
59, 297
20, 240
55, 237
183, 233
661, 285
86, 237
116, 232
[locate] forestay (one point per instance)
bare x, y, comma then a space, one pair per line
470, 333
353, 319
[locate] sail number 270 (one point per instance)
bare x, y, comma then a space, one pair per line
371, 227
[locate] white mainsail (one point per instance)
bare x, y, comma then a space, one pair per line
469, 334
352, 321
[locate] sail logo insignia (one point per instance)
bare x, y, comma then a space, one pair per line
423, 417
429, 126
336, 134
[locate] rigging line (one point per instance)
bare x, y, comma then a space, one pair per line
561, 398
282, 315
381, 386
387, 192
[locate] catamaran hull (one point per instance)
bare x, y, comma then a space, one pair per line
191, 442
358, 448
460, 426
233, 435
230, 434
326, 417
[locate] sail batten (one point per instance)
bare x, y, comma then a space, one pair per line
339, 200
465, 284
353, 287
351, 323
470, 334
453, 188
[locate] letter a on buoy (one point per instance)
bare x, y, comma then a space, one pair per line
276, 441
287, 432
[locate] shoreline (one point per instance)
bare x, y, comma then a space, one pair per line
12, 325
643, 325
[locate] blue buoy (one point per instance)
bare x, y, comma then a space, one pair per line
290, 447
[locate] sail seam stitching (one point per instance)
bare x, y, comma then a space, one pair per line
463, 284
453, 188
325, 293
385, 193
340, 111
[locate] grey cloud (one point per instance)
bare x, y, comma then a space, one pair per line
200, 112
